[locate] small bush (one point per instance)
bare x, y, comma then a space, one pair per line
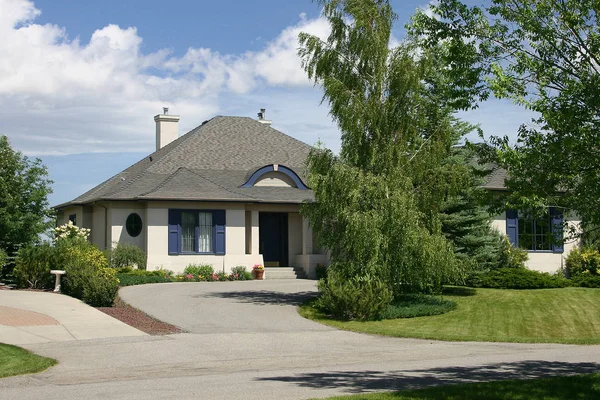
321, 271
220, 277
133, 279
127, 255
516, 278
512, 257
240, 273
360, 298
88, 277
583, 261
410, 306
33, 265
586, 280
102, 289
200, 272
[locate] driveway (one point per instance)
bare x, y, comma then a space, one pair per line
246, 341
233, 307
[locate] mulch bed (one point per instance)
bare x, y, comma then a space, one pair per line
139, 319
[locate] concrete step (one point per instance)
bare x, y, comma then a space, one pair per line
284, 273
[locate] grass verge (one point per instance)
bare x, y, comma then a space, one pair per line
557, 388
17, 361
568, 315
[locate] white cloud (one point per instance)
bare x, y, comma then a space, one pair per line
61, 96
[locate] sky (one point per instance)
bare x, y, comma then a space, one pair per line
80, 81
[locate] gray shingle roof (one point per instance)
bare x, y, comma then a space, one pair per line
495, 180
210, 162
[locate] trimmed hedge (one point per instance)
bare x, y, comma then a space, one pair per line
135, 279
585, 280
516, 278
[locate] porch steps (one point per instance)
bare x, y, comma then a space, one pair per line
284, 273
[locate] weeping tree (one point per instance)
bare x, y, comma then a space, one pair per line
377, 204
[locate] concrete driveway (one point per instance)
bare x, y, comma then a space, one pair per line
232, 307
247, 341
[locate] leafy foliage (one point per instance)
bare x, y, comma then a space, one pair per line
516, 278
3, 259
544, 55
24, 210
126, 255
240, 273
70, 231
202, 270
585, 280
583, 261
360, 297
512, 257
33, 265
378, 203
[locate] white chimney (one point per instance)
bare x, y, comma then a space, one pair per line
167, 128
262, 116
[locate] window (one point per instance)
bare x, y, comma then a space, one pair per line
196, 231
73, 218
133, 225
535, 234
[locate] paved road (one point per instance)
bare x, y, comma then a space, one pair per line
247, 342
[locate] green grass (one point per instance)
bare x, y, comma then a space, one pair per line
17, 361
569, 315
558, 388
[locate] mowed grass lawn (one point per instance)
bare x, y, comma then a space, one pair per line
569, 315
559, 388
17, 361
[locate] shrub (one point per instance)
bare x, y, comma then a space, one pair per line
88, 277
362, 298
69, 231
321, 271
240, 273
583, 261
512, 257
586, 280
33, 265
127, 255
102, 289
202, 272
135, 279
3, 258
516, 278
410, 306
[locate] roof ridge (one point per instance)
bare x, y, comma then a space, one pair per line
162, 183
214, 183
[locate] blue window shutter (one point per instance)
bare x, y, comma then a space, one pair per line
556, 219
219, 227
512, 227
174, 231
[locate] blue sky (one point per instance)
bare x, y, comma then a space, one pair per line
82, 80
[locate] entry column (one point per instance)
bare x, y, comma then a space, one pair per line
254, 232
307, 244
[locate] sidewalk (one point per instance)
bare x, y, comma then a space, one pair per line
40, 317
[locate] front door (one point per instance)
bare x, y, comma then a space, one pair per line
273, 238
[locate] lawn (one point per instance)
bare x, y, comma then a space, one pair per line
17, 361
569, 315
558, 388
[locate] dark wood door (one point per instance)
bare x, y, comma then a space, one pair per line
273, 238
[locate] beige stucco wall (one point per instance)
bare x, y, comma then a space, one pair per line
543, 261
235, 238
117, 216
64, 218
98, 233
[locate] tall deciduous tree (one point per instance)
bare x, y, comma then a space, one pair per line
24, 189
377, 203
545, 55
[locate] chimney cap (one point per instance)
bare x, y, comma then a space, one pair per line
165, 110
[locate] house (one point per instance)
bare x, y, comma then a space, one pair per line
535, 235
227, 193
